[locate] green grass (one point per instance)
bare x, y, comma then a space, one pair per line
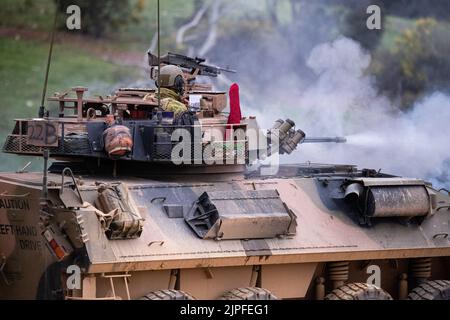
22, 67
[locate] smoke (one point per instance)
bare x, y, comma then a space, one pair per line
343, 100
302, 69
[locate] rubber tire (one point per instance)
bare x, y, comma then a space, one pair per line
431, 290
358, 291
167, 295
249, 293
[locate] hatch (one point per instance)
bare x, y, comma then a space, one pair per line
241, 214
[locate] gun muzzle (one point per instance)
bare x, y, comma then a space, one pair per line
283, 137
325, 140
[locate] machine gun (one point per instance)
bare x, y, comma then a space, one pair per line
196, 64
288, 138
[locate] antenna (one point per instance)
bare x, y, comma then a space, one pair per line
42, 112
50, 51
159, 59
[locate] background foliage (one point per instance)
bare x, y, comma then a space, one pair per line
410, 55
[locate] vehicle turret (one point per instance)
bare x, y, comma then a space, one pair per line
135, 125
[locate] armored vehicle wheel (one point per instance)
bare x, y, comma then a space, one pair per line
431, 290
167, 295
358, 291
251, 293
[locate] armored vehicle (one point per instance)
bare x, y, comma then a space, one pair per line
142, 201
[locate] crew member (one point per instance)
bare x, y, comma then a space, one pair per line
171, 90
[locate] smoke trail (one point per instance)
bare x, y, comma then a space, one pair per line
344, 101
323, 85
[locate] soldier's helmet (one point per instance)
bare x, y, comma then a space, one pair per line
172, 77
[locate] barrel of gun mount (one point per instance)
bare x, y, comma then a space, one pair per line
324, 139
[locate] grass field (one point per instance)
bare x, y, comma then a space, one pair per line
22, 67
30, 14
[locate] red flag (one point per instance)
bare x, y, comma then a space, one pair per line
235, 107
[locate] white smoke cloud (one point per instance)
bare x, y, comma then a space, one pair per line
344, 101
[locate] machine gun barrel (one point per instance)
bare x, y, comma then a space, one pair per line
325, 140
289, 138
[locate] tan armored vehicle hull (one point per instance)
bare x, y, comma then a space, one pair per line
327, 249
185, 217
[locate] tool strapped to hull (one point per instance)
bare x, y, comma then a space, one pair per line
126, 223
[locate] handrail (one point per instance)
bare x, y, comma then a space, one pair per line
61, 190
